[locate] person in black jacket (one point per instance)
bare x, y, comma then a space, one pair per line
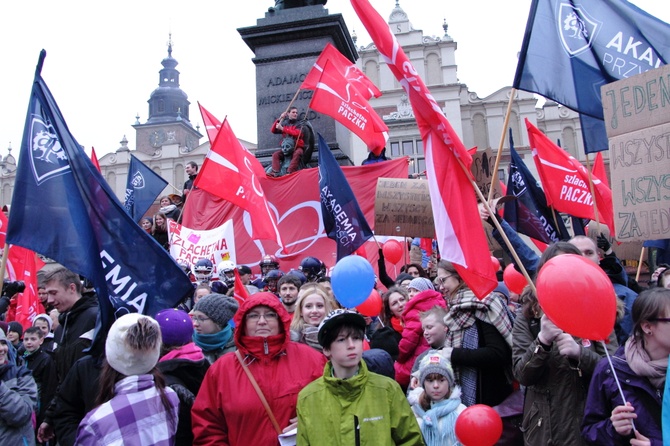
77, 317
43, 368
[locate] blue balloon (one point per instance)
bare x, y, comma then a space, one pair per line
352, 280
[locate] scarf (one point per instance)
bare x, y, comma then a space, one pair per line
639, 361
214, 341
397, 324
465, 308
439, 421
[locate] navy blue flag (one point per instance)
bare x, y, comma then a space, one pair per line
529, 213
64, 209
342, 217
572, 49
142, 187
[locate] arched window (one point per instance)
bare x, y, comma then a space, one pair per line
111, 180
178, 175
372, 71
6, 194
568, 141
481, 134
433, 71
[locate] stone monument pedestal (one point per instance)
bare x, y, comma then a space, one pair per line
286, 43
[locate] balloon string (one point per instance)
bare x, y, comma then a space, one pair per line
616, 379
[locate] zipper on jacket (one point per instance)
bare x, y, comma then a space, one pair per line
266, 349
357, 431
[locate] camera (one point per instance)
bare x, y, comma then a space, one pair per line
10, 288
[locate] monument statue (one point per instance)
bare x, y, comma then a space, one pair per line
288, 4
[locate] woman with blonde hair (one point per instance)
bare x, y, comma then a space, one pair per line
312, 306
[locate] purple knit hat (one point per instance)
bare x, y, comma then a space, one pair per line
176, 327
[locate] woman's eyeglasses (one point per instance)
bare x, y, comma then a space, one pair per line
269, 316
439, 281
200, 319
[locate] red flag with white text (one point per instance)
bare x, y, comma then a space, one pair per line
460, 234
566, 181
345, 67
212, 125
335, 97
231, 172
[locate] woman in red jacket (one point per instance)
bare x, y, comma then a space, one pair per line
227, 410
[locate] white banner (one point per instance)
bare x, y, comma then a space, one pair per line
191, 245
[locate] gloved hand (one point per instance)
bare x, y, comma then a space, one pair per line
604, 244
548, 331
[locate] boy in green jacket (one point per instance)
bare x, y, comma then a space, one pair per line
350, 405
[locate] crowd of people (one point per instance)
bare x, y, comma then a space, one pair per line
288, 363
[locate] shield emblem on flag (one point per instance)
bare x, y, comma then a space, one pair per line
138, 180
576, 28
47, 157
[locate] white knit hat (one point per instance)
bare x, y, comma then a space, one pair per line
129, 359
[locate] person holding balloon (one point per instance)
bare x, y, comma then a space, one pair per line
554, 366
312, 306
637, 373
479, 341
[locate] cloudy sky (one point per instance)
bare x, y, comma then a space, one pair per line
103, 58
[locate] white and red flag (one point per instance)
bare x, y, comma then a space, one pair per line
336, 97
233, 173
566, 181
345, 67
212, 125
460, 234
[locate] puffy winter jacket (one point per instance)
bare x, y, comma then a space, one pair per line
227, 410
413, 343
18, 400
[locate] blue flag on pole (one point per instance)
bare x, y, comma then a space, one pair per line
342, 217
62, 208
572, 49
529, 213
142, 187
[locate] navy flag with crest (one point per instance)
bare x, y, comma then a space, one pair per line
62, 208
571, 49
529, 213
142, 187
343, 219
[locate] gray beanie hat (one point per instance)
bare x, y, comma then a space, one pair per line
433, 362
217, 307
421, 284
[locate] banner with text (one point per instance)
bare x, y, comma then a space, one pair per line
191, 245
402, 207
637, 120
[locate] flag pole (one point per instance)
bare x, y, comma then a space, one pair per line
593, 193
3, 265
502, 142
496, 223
639, 265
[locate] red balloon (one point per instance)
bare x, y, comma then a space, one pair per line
372, 305
479, 425
392, 250
514, 280
361, 252
577, 296
496, 263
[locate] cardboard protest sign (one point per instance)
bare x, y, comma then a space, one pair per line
637, 118
483, 162
402, 207
190, 245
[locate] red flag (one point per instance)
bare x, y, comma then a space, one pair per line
240, 292
566, 181
345, 67
460, 234
94, 159
22, 264
599, 169
212, 125
335, 97
231, 172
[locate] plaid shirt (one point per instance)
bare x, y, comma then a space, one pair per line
134, 416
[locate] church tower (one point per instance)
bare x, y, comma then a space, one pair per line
168, 122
